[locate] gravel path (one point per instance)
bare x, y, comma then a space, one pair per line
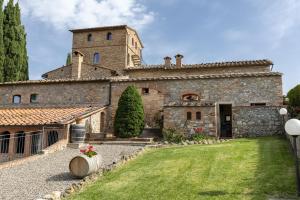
49, 173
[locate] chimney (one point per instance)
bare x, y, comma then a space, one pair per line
168, 61
77, 59
179, 60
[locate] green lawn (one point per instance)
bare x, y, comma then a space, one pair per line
240, 169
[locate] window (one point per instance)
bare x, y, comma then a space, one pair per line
128, 59
17, 99
190, 97
89, 38
20, 142
132, 41
109, 36
136, 45
33, 98
52, 137
96, 58
145, 91
258, 104
4, 142
188, 116
198, 115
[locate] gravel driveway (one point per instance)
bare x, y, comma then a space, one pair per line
49, 173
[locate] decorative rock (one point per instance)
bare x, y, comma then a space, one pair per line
48, 197
166, 142
56, 195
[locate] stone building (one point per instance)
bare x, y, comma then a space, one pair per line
226, 99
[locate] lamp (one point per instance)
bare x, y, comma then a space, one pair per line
292, 127
283, 111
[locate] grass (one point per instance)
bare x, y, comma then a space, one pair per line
258, 168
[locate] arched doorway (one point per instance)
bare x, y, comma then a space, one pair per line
102, 122
52, 137
20, 142
4, 142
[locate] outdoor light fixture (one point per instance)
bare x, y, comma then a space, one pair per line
292, 127
283, 111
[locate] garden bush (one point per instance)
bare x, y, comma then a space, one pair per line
129, 120
171, 135
294, 101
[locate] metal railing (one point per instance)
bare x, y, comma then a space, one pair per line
21, 144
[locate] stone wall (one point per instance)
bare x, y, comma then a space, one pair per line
256, 121
176, 117
60, 73
158, 72
56, 93
238, 91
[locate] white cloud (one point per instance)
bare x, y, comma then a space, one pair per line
63, 14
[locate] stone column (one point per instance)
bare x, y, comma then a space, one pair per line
11, 148
27, 145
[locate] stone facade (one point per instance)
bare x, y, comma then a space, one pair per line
54, 93
256, 121
173, 94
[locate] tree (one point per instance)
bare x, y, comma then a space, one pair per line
129, 120
2, 55
16, 59
69, 59
294, 101
10, 42
23, 63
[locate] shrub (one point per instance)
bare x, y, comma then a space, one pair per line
197, 134
171, 135
294, 101
129, 120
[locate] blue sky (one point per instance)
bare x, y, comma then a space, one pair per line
201, 30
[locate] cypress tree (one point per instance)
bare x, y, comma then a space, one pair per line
21, 36
2, 55
10, 43
69, 59
129, 120
16, 60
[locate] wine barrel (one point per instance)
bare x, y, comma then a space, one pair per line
77, 133
82, 166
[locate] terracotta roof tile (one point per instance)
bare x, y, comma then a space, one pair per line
42, 116
246, 63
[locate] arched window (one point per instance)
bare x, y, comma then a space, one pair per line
89, 38
190, 97
132, 41
136, 45
189, 116
109, 36
20, 142
4, 142
96, 59
17, 99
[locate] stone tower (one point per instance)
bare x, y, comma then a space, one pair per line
113, 47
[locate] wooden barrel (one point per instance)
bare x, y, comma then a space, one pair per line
77, 133
82, 166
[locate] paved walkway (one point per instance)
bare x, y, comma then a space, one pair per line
39, 177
